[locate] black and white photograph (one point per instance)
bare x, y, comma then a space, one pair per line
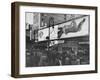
54, 39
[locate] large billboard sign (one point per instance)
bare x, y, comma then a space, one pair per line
72, 28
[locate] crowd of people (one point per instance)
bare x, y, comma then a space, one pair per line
55, 58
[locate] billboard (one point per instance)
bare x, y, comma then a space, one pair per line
72, 28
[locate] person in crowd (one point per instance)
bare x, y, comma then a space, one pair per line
67, 61
43, 61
